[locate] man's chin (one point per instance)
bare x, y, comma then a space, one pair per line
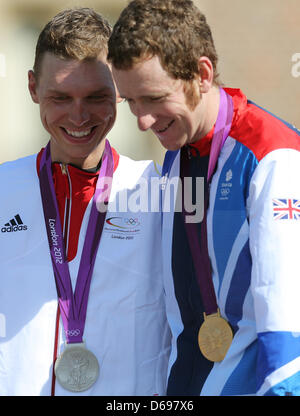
171, 145
77, 153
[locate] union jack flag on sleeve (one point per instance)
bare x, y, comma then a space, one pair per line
253, 232
286, 209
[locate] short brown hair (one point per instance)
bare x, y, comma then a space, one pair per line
174, 30
79, 33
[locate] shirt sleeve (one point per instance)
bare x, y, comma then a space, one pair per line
274, 221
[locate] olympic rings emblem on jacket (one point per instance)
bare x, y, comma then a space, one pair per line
73, 332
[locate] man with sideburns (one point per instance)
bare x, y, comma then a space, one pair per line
232, 278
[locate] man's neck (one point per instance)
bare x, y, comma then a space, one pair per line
90, 162
211, 104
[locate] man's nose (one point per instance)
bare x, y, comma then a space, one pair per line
145, 120
78, 114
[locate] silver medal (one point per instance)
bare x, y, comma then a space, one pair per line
77, 368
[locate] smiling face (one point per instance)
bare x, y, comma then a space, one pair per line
77, 102
160, 103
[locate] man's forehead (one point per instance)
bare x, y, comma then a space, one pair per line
58, 73
52, 57
59, 65
147, 69
144, 80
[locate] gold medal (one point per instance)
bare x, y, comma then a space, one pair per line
77, 368
214, 337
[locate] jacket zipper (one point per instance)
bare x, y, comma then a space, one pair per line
68, 204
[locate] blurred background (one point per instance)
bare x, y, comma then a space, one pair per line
258, 44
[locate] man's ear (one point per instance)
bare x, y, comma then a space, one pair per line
32, 86
206, 72
119, 98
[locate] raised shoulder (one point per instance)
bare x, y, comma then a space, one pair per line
262, 132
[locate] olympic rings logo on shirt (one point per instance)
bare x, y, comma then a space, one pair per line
73, 332
132, 221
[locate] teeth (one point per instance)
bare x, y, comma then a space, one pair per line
78, 133
163, 130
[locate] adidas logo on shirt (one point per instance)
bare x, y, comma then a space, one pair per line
15, 224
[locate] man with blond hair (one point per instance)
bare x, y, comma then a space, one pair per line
231, 271
81, 287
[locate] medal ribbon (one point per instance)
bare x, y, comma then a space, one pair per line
73, 307
199, 249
